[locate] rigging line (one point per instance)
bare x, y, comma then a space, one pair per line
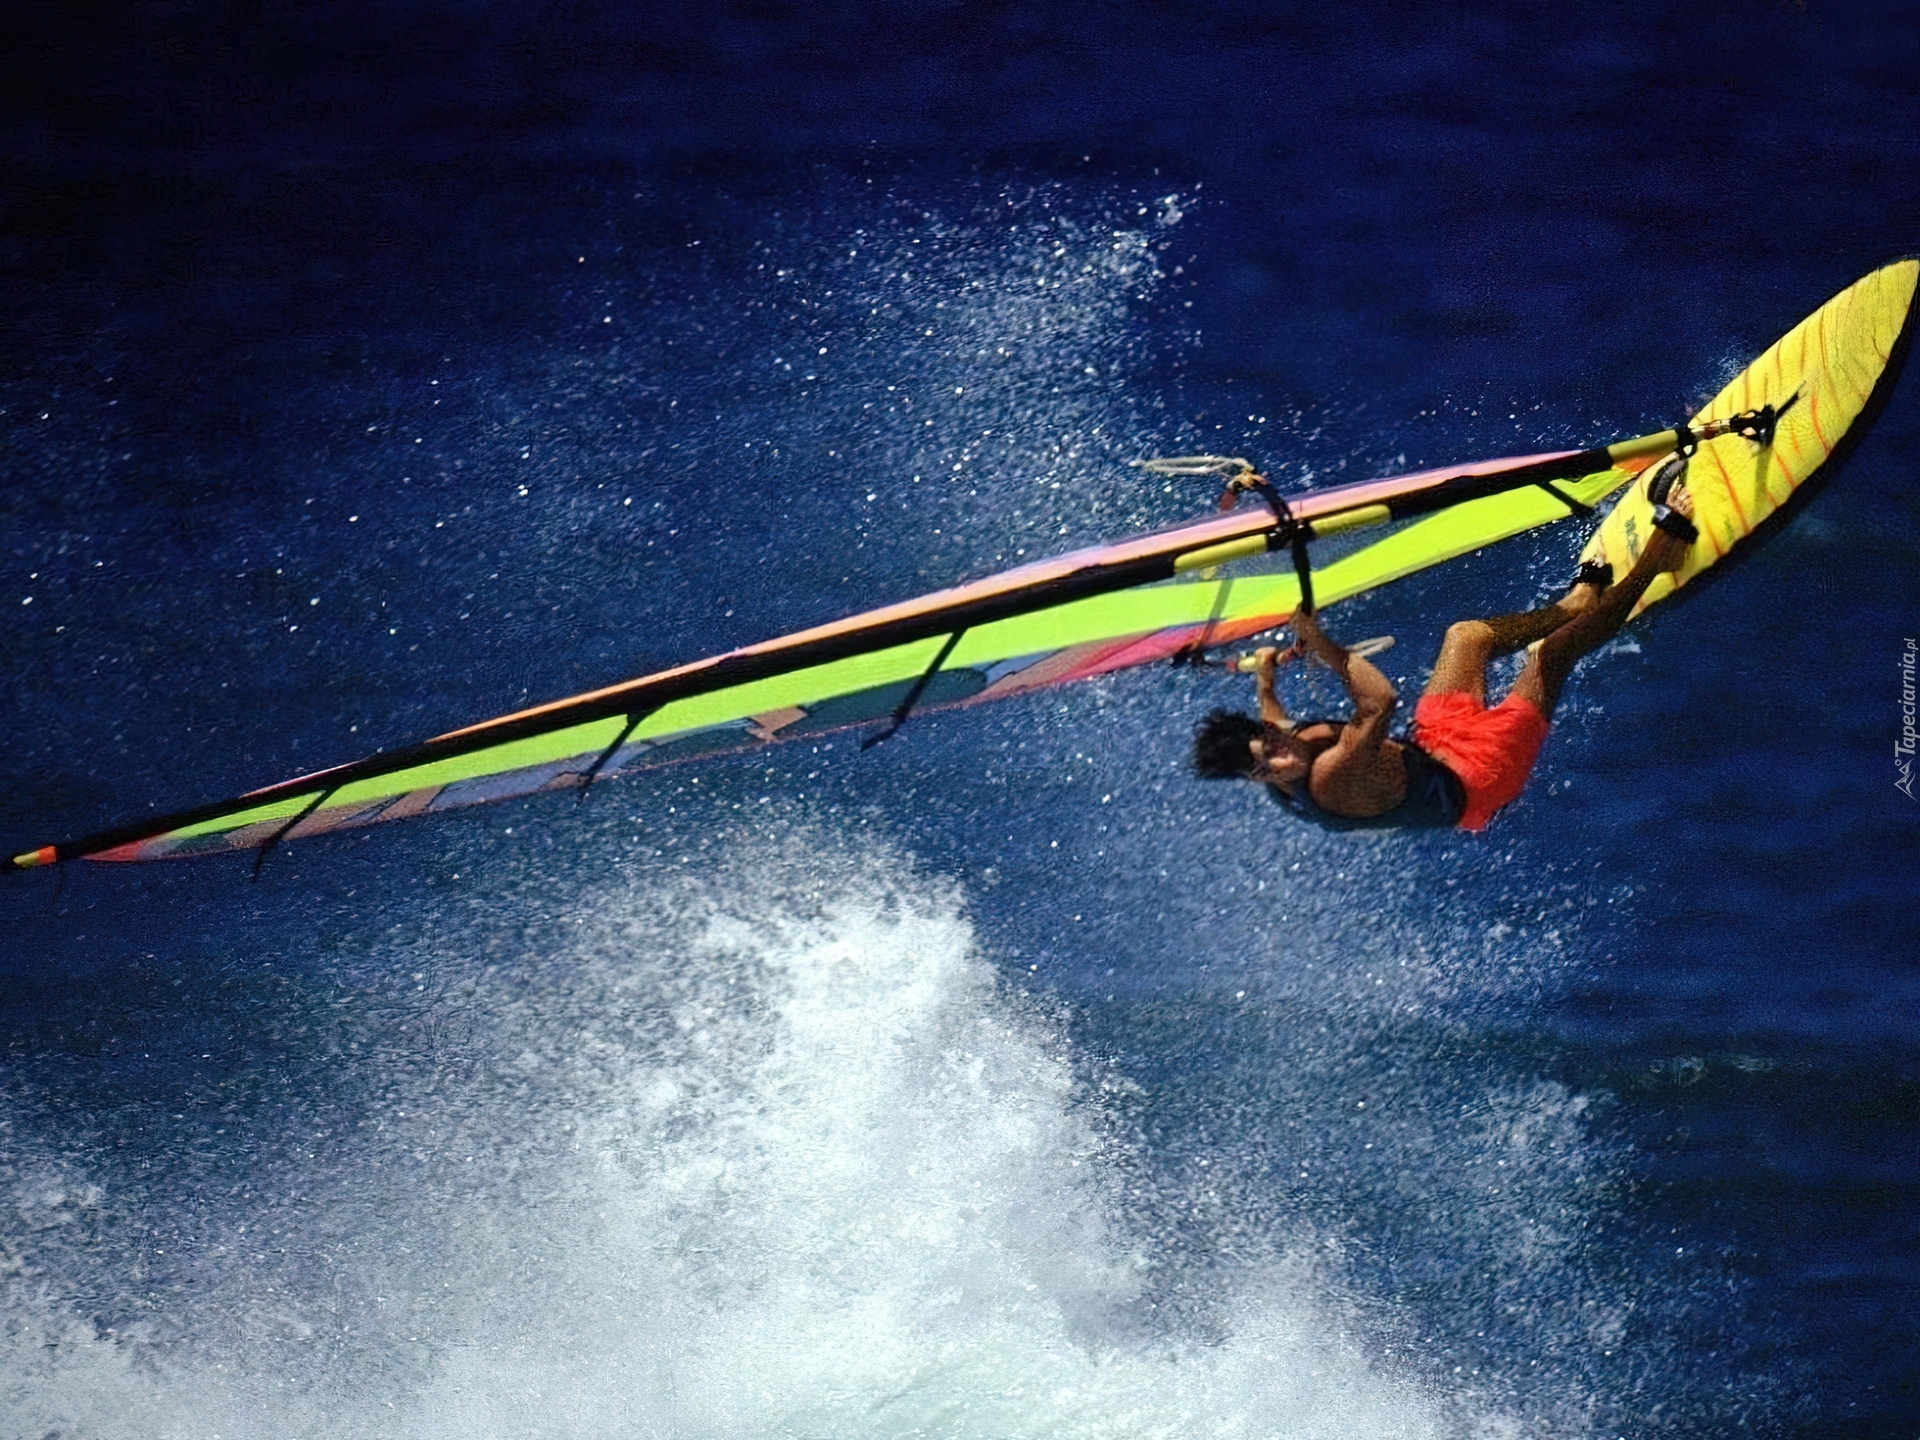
1194, 651
593, 770
1213, 616
1303, 567
1574, 507
905, 707
274, 839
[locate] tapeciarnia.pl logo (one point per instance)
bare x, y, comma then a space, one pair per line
1903, 747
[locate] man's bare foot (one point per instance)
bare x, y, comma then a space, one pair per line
1589, 584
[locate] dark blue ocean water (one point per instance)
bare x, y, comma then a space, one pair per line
365, 374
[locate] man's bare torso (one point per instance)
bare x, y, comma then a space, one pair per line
1355, 782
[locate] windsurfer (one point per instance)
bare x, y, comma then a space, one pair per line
1462, 760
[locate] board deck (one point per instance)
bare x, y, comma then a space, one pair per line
1833, 366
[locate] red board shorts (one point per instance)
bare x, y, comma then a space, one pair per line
1492, 751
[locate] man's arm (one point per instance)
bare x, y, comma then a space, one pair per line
1266, 661
1373, 694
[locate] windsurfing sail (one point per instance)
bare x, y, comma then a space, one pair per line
1150, 598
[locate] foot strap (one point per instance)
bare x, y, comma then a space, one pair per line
1666, 477
1594, 572
1666, 518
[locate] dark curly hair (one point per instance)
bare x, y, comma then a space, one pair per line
1220, 745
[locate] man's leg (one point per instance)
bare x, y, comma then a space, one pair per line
1470, 644
1562, 649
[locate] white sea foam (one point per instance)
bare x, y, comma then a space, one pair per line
729, 1161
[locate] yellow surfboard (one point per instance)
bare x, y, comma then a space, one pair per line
1824, 374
